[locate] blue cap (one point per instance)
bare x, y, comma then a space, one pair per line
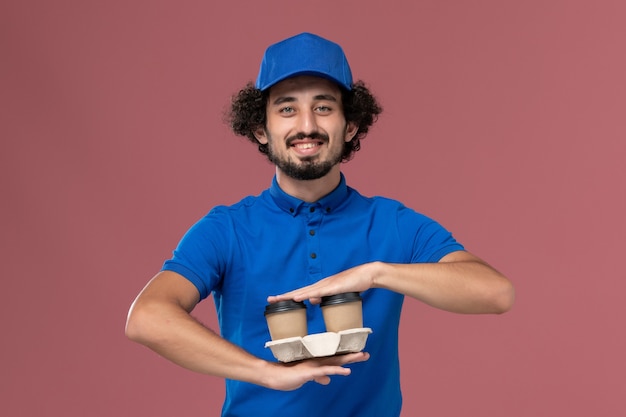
304, 54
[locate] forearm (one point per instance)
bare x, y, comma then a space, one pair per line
460, 283
171, 332
461, 286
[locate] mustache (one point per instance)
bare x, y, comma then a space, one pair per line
312, 135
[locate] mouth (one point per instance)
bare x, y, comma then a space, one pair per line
306, 147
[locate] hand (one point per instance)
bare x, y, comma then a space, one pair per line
291, 376
357, 279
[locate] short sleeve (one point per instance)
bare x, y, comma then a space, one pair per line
429, 241
201, 254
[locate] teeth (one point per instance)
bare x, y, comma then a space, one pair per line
305, 145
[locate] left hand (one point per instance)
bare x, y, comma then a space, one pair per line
356, 279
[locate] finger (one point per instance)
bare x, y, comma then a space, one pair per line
348, 358
285, 296
297, 295
345, 359
315, 300
313, 292
323, 380
321, 374
276, 298
325, 371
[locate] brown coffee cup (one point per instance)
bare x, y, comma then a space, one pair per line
342, 311
286, 319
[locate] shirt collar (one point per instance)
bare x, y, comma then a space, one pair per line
293, 205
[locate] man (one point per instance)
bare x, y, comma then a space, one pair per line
309, 235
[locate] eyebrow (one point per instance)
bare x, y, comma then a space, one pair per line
289, 99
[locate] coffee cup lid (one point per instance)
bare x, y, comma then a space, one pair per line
345, 297
285, 305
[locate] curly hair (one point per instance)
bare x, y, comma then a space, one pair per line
248, 112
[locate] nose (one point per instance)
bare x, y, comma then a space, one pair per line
307, 122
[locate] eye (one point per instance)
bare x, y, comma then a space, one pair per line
323, 109
286, 110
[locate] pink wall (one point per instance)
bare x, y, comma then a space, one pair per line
504, 120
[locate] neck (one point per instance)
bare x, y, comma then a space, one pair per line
309, 190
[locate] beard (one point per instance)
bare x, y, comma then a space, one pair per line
310, 168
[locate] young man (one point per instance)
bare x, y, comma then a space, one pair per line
309, 235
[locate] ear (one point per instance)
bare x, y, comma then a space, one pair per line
260, 135
351, 130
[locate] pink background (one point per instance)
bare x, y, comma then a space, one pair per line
503, 120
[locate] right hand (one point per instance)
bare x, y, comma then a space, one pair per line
291, 376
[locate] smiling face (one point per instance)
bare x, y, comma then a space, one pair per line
306, 128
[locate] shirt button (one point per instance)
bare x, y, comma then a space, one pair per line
313, 255
312, 209
291, 210
312, 232
327, 209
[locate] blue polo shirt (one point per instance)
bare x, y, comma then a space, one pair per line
273, 243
